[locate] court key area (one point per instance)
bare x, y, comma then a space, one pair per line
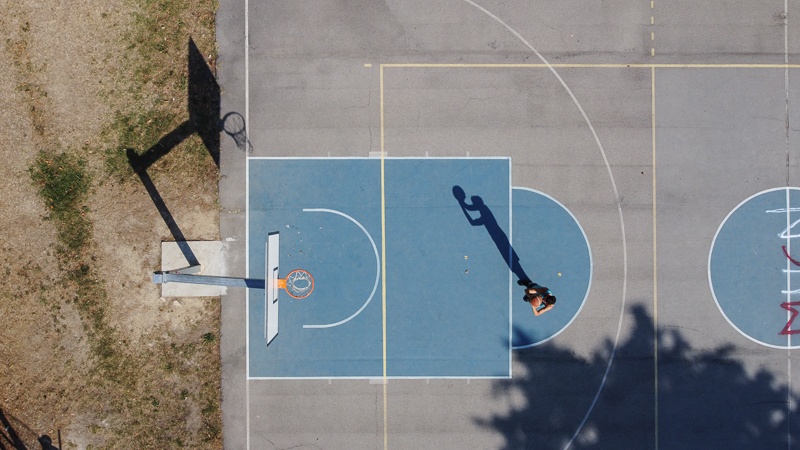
414, 271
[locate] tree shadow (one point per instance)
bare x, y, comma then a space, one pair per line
706, 398
14, 434
204, 119
486, 219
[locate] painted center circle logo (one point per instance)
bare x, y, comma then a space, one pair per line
754, 268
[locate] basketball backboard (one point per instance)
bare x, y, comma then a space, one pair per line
271, 288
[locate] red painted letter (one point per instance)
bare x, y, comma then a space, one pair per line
788, 306
796, 263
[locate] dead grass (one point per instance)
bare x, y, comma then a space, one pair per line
88, 347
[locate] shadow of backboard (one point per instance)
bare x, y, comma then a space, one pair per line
203, 104
204, 101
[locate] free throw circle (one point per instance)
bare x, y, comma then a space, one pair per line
753, 268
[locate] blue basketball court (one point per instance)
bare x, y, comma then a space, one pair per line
414, 271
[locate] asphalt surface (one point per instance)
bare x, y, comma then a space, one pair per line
650, 122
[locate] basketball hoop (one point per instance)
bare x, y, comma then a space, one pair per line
298, 284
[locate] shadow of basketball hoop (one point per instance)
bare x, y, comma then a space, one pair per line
233, 124
203, 100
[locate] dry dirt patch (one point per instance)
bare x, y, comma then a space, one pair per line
87, 346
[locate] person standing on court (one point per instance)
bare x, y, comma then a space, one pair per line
540, 297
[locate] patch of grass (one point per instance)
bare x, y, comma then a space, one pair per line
143, 129
64, 183
158, 85
137, 130
160, 36
211, 422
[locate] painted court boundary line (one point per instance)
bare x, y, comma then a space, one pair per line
383, 271
510, 273
381, 378
383, 158
247, 220
590, 66
372, 158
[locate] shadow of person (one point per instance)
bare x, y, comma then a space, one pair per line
487, 220
47, 443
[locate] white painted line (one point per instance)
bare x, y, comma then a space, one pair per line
389, 377
377, 268
510, 272
786, 234
247, 261
247, 65
247, 207
247, 266
788, 279
782, 210
788, 290
372, 158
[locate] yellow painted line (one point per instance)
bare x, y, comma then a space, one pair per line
652, 52
655, 248
652, 20
652, 36
367, 65
652, 4
383, 271
725, 66
385, 418
589, 66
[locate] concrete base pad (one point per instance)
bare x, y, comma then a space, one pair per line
208, 253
